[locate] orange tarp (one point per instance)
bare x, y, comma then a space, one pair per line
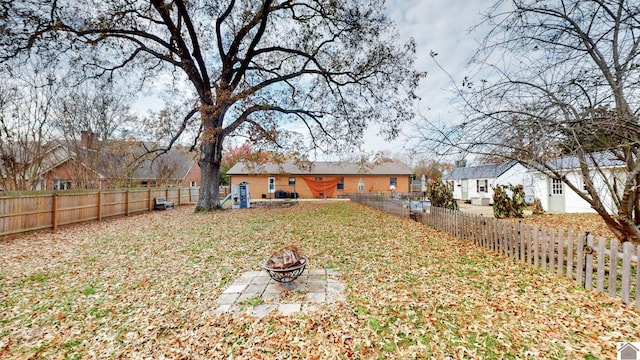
322, 188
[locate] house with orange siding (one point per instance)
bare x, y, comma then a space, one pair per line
320, 180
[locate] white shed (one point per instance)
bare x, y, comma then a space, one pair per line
476, 183
556, 196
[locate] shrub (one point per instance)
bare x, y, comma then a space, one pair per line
537, 207
441, 196
508, 206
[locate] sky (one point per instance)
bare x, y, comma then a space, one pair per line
441, 26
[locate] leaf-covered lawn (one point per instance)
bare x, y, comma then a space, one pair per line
144, 287
578, 223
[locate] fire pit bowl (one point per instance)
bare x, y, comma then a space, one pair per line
286, 275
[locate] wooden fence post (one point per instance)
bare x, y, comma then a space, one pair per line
613, 268
543, 253
54, 213
625, 290
126, 203
580, 262
536, 243
552, 250
99, 205
560, 252
570, 244
602, 248
638, 277
588, 266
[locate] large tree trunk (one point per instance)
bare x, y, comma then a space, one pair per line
210, 161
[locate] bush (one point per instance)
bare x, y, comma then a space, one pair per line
537, 207
505, 206
441, 196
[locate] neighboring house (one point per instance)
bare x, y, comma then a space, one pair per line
66, 167
476, 183
556, 196
176, 167
62, 170
320, 179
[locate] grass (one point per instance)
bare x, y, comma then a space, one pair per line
144, 287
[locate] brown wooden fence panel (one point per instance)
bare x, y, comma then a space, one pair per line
76, 207
24, 213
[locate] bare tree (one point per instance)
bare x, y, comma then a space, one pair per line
26, 103
90, 117
561, 79
252, 66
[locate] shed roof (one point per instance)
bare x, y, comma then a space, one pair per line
487, 171
597, 159
319, 168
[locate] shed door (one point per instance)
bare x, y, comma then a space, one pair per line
556, 195
465, 190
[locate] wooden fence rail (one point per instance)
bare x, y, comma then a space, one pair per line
604, 266
48, 211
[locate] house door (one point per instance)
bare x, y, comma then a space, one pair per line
465, 190
556, 195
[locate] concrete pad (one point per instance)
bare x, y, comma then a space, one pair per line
227, 298
235, 288
255, 289
246, 278
222, 309
317, 272
314, 297
263, 310
270, 295
288, 309
315, 284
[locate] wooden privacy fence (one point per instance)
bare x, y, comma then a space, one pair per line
48, 211
605, 266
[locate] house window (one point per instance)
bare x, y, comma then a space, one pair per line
319, 178
340, 185
292, 181
481, 185
193, 184
61, 184
271, 185
360, 185
393, 182
556, 187
450, 185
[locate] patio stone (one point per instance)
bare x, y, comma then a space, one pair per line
319, 286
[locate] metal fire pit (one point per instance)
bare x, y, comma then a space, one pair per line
288, 275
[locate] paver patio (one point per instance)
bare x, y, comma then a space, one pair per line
256, 294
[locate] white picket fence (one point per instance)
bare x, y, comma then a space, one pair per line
598, 264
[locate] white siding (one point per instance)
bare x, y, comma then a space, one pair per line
573, 202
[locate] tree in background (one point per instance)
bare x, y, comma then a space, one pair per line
431, 169
90, 118
559, 78
235, 153
26, 113
247, 67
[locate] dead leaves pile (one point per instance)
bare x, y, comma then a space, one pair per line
144, 287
